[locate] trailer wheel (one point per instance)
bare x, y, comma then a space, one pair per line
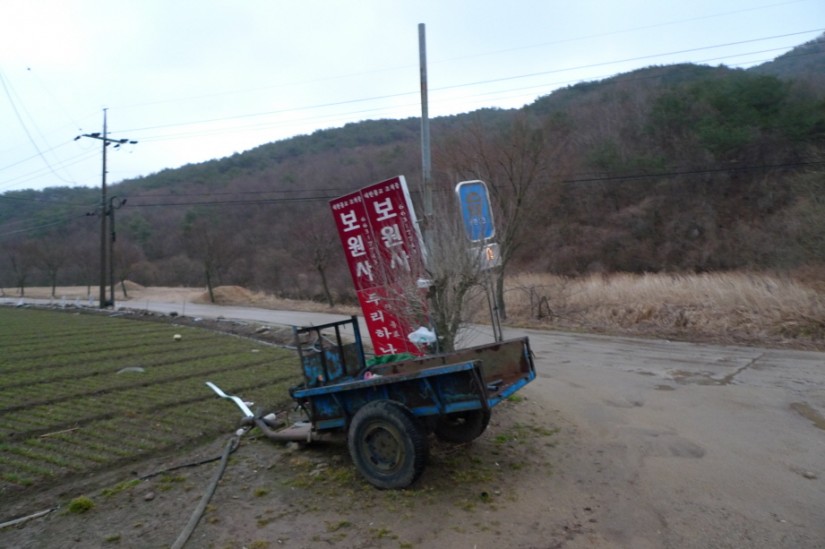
462, 426
387, 444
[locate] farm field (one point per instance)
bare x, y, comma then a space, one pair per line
84, 393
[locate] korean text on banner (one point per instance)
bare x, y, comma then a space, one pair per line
383, 248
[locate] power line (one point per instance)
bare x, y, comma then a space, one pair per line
622, 31
43, 225
344, 115
236, 193
460, 58
22, 178
327, 197
45, 202
704, 171
263, 201
627, 60
605, 178
464, 100
8, 90
464, 85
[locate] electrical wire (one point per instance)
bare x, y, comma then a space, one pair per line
462, 85
29, 176
327, 197
345, 115
577, 180
621, 31
134, 199
7, 87
464, 57
42, 226
464, 100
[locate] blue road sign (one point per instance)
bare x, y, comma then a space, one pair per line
475, 210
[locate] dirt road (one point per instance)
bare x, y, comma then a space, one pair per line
655, 444
686, 445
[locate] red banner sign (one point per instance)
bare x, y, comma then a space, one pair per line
383, 247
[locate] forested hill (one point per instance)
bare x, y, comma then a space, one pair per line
680, 167
805, 61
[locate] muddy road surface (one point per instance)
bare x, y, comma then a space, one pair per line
684, 445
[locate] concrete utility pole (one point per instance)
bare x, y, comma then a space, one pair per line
104, 212
426, 165
112, 207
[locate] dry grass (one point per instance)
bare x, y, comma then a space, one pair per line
750, 308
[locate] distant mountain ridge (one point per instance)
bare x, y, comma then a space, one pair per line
804, 60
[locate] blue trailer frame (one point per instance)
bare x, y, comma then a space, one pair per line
335, 387
389, 409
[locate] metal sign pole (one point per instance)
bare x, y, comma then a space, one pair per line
495, 318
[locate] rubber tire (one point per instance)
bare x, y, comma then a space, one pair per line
387, 444
461, 427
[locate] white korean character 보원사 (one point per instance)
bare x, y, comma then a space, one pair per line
385, 209
355, 245
363, 268
391, 236
399, 257
350, 221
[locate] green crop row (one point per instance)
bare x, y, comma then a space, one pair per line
64, 409
80, 410
117, 351
103, 377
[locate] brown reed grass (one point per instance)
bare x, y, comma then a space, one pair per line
733, 307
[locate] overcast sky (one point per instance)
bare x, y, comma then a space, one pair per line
195, 80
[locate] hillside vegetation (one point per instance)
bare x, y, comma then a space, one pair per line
674, 169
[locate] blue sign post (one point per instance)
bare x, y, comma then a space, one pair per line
476, 213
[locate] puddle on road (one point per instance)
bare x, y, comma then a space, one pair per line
706, 378
697, 378
703, 378
805, 410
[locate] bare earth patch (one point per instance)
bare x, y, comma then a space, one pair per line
490, 493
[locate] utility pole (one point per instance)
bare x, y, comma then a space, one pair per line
426, 164
112, 208
104, 212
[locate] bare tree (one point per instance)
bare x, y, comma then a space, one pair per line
51, 254
438, 296
513, 161
21, 258
455, 272
318, 246
84, 252
213, 246
128, 255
